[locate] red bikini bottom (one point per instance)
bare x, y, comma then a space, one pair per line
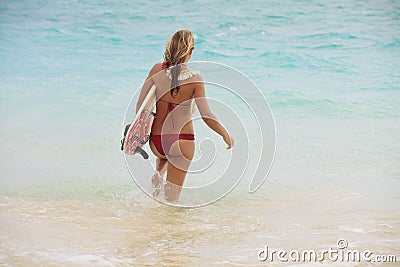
164, 142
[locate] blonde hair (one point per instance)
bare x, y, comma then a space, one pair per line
178, 47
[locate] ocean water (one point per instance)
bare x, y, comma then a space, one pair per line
329, 70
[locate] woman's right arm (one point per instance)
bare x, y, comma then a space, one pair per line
206, 114
147, 85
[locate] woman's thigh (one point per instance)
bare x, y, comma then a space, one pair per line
179, 159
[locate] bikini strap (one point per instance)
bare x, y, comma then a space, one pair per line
170, 107
175, 104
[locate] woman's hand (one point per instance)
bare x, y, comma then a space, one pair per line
228, 140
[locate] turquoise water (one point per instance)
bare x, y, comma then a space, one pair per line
329, 70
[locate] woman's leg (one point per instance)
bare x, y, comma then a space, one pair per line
179, 159
161, 168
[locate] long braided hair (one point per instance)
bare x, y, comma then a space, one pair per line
178, 47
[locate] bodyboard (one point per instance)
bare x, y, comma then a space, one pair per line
136, 134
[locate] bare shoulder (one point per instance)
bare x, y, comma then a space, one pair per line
156, 68
198, 82
196, 76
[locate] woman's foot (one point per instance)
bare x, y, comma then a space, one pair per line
157, 183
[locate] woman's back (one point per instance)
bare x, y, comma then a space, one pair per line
174, 111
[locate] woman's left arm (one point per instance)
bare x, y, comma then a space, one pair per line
147, 85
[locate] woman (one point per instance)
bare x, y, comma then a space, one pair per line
172, 136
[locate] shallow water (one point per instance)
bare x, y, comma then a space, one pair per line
329, 71
137, 231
